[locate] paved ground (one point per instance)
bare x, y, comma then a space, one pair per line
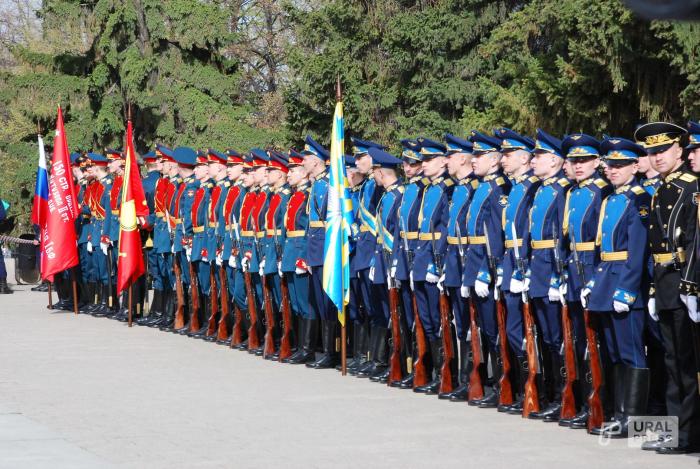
77, 391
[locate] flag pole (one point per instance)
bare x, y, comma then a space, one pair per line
50, 299
130, 316
343, 330
75, 290
38, 132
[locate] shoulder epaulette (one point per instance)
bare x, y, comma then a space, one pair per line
533, 179
475, 183
500, 180
563, 182
448, 182
600, 183
401, 189
285, 191
688, 177
227, 184
638, 190
425, 181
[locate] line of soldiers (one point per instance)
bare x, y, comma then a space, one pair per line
511, 273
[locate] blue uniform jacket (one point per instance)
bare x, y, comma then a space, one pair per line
622, 238
457, 229
387, 222
432, 226
366, 239
316, 210
408, 223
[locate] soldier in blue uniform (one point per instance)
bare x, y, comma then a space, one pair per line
580, 222
181, 214
517, 151
384, 167
86, 294
430, 248
110, 237
617, 291
277, 170
544, 280
315, 158
199, 255
673, 296
484, 224
409, 209
368, 315
154, 166
459, 152
294, 266
99, 207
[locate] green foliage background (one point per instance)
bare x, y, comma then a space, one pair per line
408, 68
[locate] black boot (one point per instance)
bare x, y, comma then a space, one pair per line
381, 368
369, 367
103, 309
516, 408
490, 401
552, 411
328, 358
88, 297
155, 314
633, 386
433, 386
617, 426
580, 420
307, 352
299, 340
169, 306
461, 392
204, 323
4, 288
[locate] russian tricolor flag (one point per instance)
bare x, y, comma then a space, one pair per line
41, 190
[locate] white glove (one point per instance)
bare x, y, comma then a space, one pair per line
481, 289
279, 269
261, 267
232, 261
103, 247
371, 274
205, 259
300, 271
563, 288
413, 286
89, 246
499, 281
516, 286
431, 278
172, 248
585, 293
392, 271
651, 306
691, 302
553, 294
620, 307
464, 291
526, 285
245, 264
219, 260
440, 283
188, 253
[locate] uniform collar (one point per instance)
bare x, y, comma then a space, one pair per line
673, 175
392, 187
302, 187
416, 178
586, 181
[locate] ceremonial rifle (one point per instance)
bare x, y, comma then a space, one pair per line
214, 301
595, 364
420, 374
286, 339
505, 395
269, 340
476, 385
395, 368
448, 352
531, 402
237, 329
194, 293
568, 346
179, 321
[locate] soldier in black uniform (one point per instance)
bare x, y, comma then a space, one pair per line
673, 296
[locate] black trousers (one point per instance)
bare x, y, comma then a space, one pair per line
682, 397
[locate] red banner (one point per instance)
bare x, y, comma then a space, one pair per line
130, 265
58, 243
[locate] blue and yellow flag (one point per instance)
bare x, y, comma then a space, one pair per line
339, 219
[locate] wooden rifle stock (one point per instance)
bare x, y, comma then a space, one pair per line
595, 403
194, 296
505, 396
179, 322
568, 402
476, 387
269, 348
531, 402
222, 333
213, 302
286, 340
448, 352
395, 372
420, 374
253, 339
